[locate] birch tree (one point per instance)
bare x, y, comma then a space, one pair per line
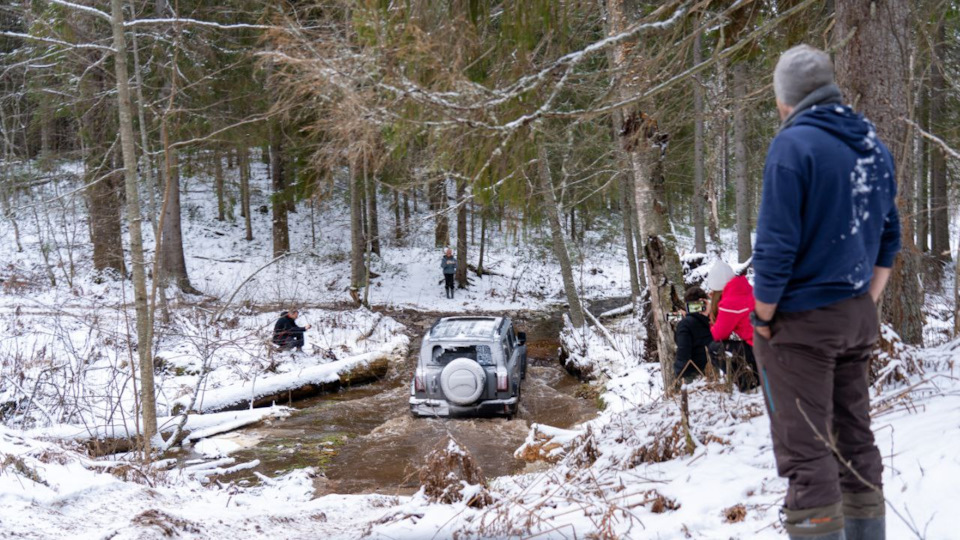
645, 144
556, 234
148, 405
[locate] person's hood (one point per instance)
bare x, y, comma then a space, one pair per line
824, 109
841, 122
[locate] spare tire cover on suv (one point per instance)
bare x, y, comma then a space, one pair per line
463, 381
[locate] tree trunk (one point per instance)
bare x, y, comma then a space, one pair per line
461, 274
744, 245
556, 232
406, 212
635, 227
173, 264
438, 204
939, 201
397, 222
104, 196
872, 68
281, 230
699, 233
373, 221
289, 181
243, 163
956, 295
357, 270
105, 202
923, 193
483, 239
46, 128
370, 189
146, 162
218, 181
646, 146
625, 194
148, 405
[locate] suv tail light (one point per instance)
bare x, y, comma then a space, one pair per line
503, 381
418, 384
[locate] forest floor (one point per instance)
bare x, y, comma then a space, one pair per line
629, 471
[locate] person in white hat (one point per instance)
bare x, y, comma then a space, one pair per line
731, 303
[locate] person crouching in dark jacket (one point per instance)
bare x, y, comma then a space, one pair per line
286, 333
693, 336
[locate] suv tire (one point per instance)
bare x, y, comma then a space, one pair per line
463, 381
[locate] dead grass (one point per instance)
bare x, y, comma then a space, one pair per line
168, 525
542, 449
660, 503
665, 445
892, 363
588, 391
735, 514
448, 470
21, 468
585, 451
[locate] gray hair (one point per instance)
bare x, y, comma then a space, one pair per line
801, 70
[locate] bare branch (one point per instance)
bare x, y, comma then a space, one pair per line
85, 9
57, 42
195, 22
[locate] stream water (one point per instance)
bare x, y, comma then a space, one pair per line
366, 441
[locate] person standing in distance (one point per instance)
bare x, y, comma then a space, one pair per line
449, 265
827, 235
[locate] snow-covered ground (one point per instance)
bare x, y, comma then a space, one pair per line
65, 372
630, 474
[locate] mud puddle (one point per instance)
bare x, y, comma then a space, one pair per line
365, 440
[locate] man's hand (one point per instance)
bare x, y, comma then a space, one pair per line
307, 327
879, 281
765, 312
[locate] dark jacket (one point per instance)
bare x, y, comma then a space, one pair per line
828, 214
286, 329
692, 337
449, 264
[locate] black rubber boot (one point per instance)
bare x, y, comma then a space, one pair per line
865, 528
835, 535
863, 515
822, 523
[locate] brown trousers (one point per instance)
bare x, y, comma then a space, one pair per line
814, 376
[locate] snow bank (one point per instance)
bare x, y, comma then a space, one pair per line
50, 492
229, 396
198, 425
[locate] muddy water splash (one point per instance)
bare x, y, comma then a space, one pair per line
366, 440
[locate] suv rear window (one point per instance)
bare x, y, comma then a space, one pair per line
481, 354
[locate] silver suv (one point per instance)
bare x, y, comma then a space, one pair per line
469, 365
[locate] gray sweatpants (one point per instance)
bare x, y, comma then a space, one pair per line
814, 377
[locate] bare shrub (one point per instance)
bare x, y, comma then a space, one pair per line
167, 525
659, 503
735, 514
666, 445
893, 362
450, 474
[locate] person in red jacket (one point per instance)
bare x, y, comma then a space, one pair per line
732, 303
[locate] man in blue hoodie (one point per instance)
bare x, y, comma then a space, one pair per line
827, 235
